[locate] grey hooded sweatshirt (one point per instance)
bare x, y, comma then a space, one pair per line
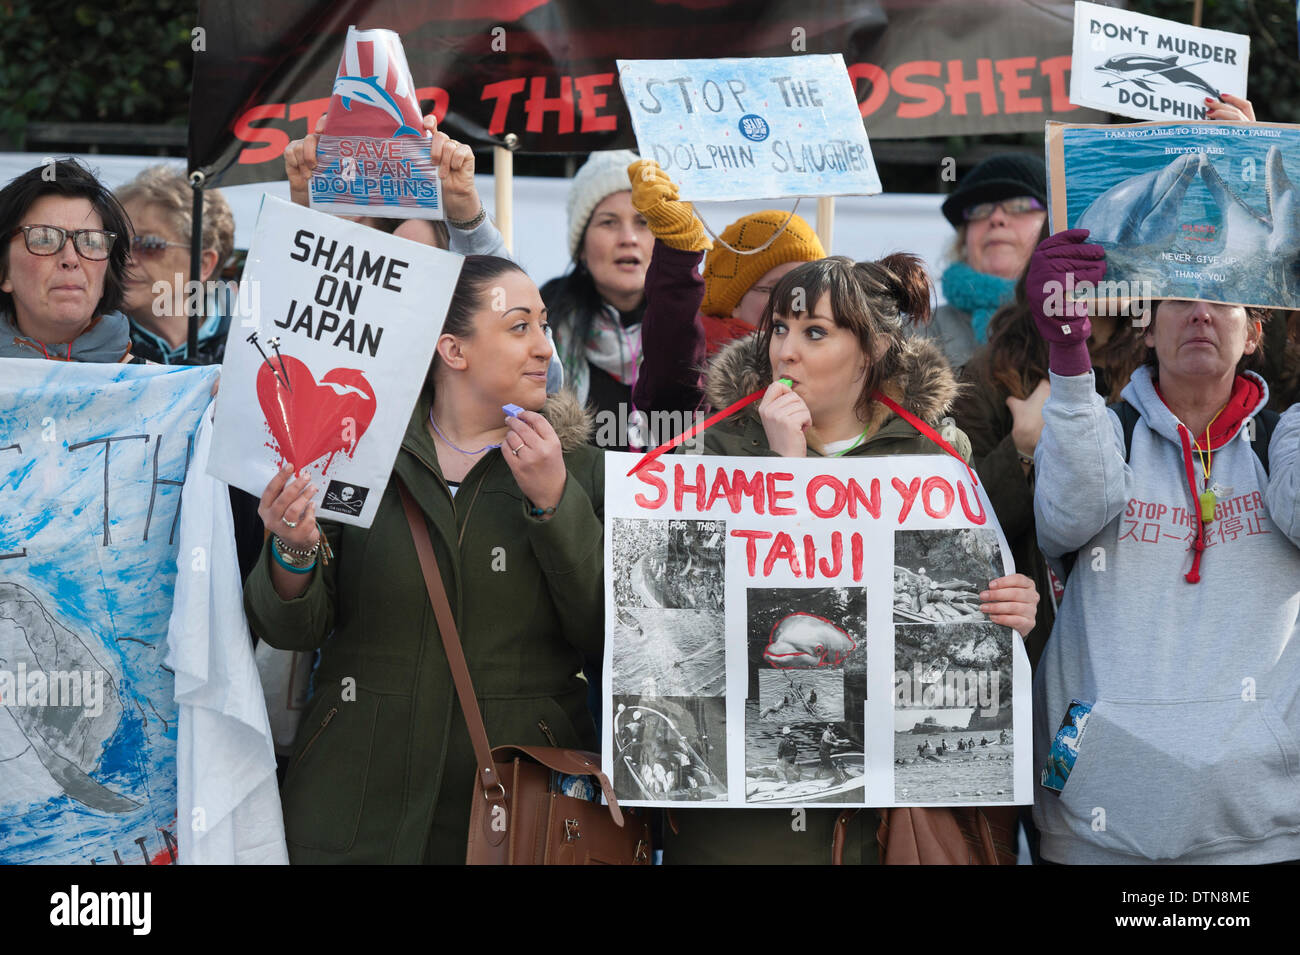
1192, 751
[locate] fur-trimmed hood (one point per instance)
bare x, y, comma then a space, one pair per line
925, 384
572, 422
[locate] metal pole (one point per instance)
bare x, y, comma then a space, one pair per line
197, 302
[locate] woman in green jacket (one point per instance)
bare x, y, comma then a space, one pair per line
848, 344
382, 769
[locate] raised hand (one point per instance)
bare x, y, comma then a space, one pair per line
785, 418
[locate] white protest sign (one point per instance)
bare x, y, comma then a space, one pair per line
1134, 65
785, 631
761, 128
325, 375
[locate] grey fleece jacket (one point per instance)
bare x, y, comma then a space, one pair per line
1191, 753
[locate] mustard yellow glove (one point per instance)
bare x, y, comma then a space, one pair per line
672, 221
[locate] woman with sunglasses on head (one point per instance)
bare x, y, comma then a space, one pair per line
156, 292
62, 266
998, 211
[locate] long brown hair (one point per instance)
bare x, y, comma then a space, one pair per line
870, 299
1018, 353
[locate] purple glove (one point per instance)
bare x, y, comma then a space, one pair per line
1060, 264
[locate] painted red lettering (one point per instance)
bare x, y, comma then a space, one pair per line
539, 104
273, 140
944, 488
775, 496
809, 555
437, 97
680, 487
837, 555
958, 88
647, 476
837, 505
856, 497
782, 547
856, 548
930, 97
908, 493
751, 549
503, 92
879, 81
1014, 83
1055, 69
589, 101
979, 518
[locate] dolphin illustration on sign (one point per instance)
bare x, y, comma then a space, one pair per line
1141, 69
366, 89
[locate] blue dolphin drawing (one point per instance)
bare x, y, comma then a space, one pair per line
366, 89
1142, 209
1164, 67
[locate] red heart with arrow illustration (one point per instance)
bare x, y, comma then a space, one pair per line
310, 419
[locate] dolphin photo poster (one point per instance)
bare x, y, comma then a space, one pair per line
1134, 65
1184, 210
373, 157
760, 128
785, 632
324, 377
92, 460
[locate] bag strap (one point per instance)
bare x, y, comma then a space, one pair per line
494, 791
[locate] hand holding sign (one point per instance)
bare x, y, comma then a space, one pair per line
533, 454
672, 222
785, 418
287, 511
455, 162
1011, 601
300, 163
1229, 109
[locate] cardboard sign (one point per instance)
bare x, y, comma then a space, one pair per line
1134, 65
763, 128
373, 158
92, 461
785, 631
1184, 210
326, 376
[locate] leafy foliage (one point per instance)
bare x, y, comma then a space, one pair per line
127, 62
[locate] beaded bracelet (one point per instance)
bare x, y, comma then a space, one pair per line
466, 225
541, 511
275, 554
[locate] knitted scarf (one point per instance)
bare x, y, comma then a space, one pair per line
609, 346
978, 294
107, 340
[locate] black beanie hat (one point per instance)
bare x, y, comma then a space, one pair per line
1003, 176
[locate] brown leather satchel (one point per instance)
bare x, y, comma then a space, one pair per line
962, 835
516, 818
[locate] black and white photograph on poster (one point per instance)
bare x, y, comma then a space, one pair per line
939, 574
807, 689
785, 695
674, 565
661, 652
953, 736
670, 748
802, 761
805, 628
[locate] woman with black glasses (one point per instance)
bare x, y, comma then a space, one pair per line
62, 266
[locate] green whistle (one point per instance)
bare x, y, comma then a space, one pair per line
787, 382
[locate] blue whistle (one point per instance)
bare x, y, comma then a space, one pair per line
512, 411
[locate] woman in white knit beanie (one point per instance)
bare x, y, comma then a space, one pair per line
596, 307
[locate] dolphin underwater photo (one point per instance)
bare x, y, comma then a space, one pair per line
1143, 209
1269, 239
806, 640
49, 750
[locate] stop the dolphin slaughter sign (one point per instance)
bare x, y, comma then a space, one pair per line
325, 373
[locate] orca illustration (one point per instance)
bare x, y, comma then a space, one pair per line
1142, 209
366, 89
1162, 67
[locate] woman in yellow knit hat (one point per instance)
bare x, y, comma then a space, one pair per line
689, 318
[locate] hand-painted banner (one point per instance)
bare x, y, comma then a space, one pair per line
785, 631
326, 377
92, 459
1134, 65
762, 128
1184, 210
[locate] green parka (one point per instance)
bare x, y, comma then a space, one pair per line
924, 386
382, 769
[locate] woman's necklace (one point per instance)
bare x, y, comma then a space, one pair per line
1208, 500
857, 441
486, 447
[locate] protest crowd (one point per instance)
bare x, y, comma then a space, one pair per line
1079, 423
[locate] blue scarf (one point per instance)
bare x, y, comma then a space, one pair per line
976, 293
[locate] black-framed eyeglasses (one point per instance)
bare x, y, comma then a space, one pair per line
1016, 205
92, 244
147, 246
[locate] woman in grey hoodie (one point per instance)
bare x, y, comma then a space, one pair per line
1180, 614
